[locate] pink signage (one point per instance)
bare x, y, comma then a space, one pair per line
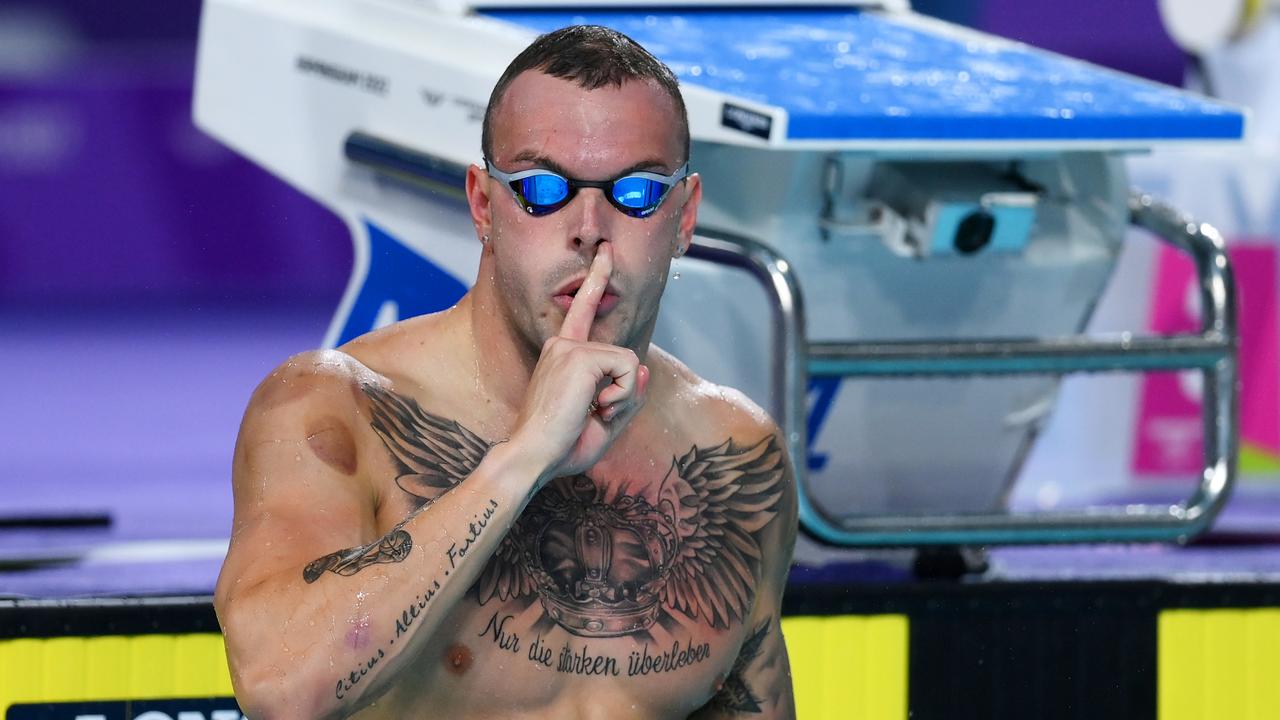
1170, 437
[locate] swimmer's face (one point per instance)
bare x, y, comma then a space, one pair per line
545, 122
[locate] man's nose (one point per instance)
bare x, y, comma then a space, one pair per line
591, 217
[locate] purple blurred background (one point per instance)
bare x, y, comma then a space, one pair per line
108, 193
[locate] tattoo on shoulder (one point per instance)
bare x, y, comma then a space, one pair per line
735, 695
431, 455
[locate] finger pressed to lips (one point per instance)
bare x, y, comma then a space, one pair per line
584, 305
625, 379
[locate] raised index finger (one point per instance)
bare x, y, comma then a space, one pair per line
582, 311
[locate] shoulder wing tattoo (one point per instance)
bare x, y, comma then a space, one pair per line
432, 454
719, 498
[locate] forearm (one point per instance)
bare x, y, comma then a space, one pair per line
338, 640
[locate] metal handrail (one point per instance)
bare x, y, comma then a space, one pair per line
788, 369
1212, 351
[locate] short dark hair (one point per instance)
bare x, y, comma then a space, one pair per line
593, 56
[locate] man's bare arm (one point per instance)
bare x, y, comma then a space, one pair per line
318, 610
318, 634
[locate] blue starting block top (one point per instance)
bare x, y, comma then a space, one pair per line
842, 75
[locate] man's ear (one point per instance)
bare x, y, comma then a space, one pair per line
479, 201
689, 213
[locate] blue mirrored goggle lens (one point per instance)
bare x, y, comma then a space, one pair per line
544, 190
638, 193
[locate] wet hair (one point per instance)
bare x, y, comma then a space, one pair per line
592, 56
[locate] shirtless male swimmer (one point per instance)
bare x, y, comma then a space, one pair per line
519, 507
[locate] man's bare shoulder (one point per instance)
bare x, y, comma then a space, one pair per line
711, 415
704, 404
333, 377
313, 400
324, 398
312, 379
398, 349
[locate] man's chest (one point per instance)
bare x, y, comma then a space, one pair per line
643, 550
641, 572
662, 530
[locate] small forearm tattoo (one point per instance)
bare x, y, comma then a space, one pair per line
392, 548
736, 695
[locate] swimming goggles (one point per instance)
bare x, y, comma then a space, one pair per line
542, 192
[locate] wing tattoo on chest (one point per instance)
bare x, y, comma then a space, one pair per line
602, 561
605, 564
